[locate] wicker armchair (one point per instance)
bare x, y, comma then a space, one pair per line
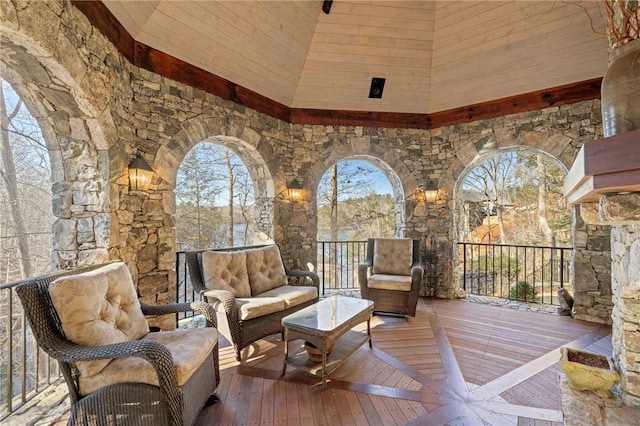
177, 396
243, 332
391, 275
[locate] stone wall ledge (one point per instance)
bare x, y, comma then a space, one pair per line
585, 408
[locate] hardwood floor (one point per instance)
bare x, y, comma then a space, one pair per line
455, 363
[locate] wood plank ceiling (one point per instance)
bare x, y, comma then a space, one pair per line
435, 55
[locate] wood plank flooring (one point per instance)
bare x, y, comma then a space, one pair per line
455, 363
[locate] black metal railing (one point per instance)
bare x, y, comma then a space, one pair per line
25, 370
524, 273
184, 289
338, 264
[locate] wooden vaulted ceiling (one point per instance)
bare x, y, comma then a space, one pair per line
434, 55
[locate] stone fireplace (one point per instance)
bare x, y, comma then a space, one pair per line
605, 182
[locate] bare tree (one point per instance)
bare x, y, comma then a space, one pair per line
212, 184
493, 178
230, 187
9, 176
542, 201
196, 193
25, 190
334, 202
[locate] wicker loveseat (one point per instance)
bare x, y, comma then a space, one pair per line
391, 275
117, 372
250, 289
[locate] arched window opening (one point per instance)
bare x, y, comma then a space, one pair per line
214, 199
516, 197
26, 216
355, 201
515, 226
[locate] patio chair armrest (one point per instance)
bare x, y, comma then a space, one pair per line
315, 278
202, 308
416, 276
364, 270
226, 299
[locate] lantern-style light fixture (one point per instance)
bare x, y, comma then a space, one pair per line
140, 174
295, 190
430, 192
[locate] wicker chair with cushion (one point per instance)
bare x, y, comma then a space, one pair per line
250, 289
391, 275
91, 321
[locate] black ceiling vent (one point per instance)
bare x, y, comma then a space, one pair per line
377, 85
326, 6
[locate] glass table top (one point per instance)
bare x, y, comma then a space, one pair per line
328, 314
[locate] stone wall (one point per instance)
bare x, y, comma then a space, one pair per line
100, 111
621, 210
625, 257
591, 268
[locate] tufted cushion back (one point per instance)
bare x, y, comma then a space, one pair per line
392, 256
98, 308
265, 269
226, 271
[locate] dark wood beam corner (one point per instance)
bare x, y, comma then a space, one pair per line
359, 118
555, 96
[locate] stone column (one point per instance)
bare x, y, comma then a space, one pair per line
624, 213
591, 266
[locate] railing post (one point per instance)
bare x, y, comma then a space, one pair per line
464, 266
562, 266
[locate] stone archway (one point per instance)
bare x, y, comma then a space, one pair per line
459, 220
398, 191
79, 132
402, 180
591, 256
167, 163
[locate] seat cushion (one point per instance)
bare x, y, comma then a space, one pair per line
265, 269
390, 282
392, 256
292, 295
98, 308
255, 307
226, 271
189, 349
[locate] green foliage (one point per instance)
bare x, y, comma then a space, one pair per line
524, 291
502, 263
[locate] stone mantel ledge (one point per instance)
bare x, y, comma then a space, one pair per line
603, 167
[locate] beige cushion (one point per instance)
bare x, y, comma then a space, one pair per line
392, 256
292, 295
226, 271
390, 282
189, 349
265, 269
98, 308
255, 307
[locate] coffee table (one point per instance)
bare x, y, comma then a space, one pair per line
327, 325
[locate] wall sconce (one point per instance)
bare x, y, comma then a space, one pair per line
430, 192
295, 191
140, 174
